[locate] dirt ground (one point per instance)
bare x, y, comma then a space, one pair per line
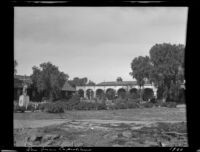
152, 127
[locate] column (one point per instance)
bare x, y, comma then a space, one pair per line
85, 96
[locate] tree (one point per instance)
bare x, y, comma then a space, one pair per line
91, 83
48, 80
168, 67
119, 79
141, 69
15, 65
78, 81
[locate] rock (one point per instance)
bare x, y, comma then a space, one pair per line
116, 145
114, 124
48, 143
151, 144
35, 138
127, 134
114, 137
78, 144
67, 144
50, 137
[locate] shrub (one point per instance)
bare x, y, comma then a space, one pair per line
166, 104
137, 100
153, 100
147, 105
101, 106
16, 107
132, 105
147, 94
53, 107
120, 106
169, 104
75, 99
31, 107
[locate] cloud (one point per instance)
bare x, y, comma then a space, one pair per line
92, 26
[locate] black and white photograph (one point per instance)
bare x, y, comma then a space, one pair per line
100, 77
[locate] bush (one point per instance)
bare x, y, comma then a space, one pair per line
101, 106
53, 107
147, 105
153, 100
17, 108
120, 106
75, 99
137, 100
132, 105
31, 107
169, 104
166, 104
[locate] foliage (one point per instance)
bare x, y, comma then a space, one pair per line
165, 104
169, 104
122, 94
110, 94
78, 81
91, 83
133, 96
17, 108
53, 107
141, 70
31, 107
48, 80
119, 79
147, 105
132, 105
168, 68
147, 94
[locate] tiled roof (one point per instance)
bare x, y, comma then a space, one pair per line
68, 87
118, 83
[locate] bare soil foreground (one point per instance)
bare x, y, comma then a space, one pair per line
146, 127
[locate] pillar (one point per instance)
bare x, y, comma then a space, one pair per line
85, 96
94, 93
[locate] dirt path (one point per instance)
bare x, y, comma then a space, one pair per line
43, 123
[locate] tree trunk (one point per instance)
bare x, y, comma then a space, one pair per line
140, 93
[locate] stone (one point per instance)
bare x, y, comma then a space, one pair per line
78, 144
51, 136
127, 134
116, 145
114, 124
48, 143
67, 144
114, 137
151, 144
36, 138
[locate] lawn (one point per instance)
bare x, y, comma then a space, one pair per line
145, 114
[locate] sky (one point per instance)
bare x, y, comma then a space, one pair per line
94, 42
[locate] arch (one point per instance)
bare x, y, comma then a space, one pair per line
147, 94
99, 93
121, 93
110, 93
81, 93
133, 91
90, 94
